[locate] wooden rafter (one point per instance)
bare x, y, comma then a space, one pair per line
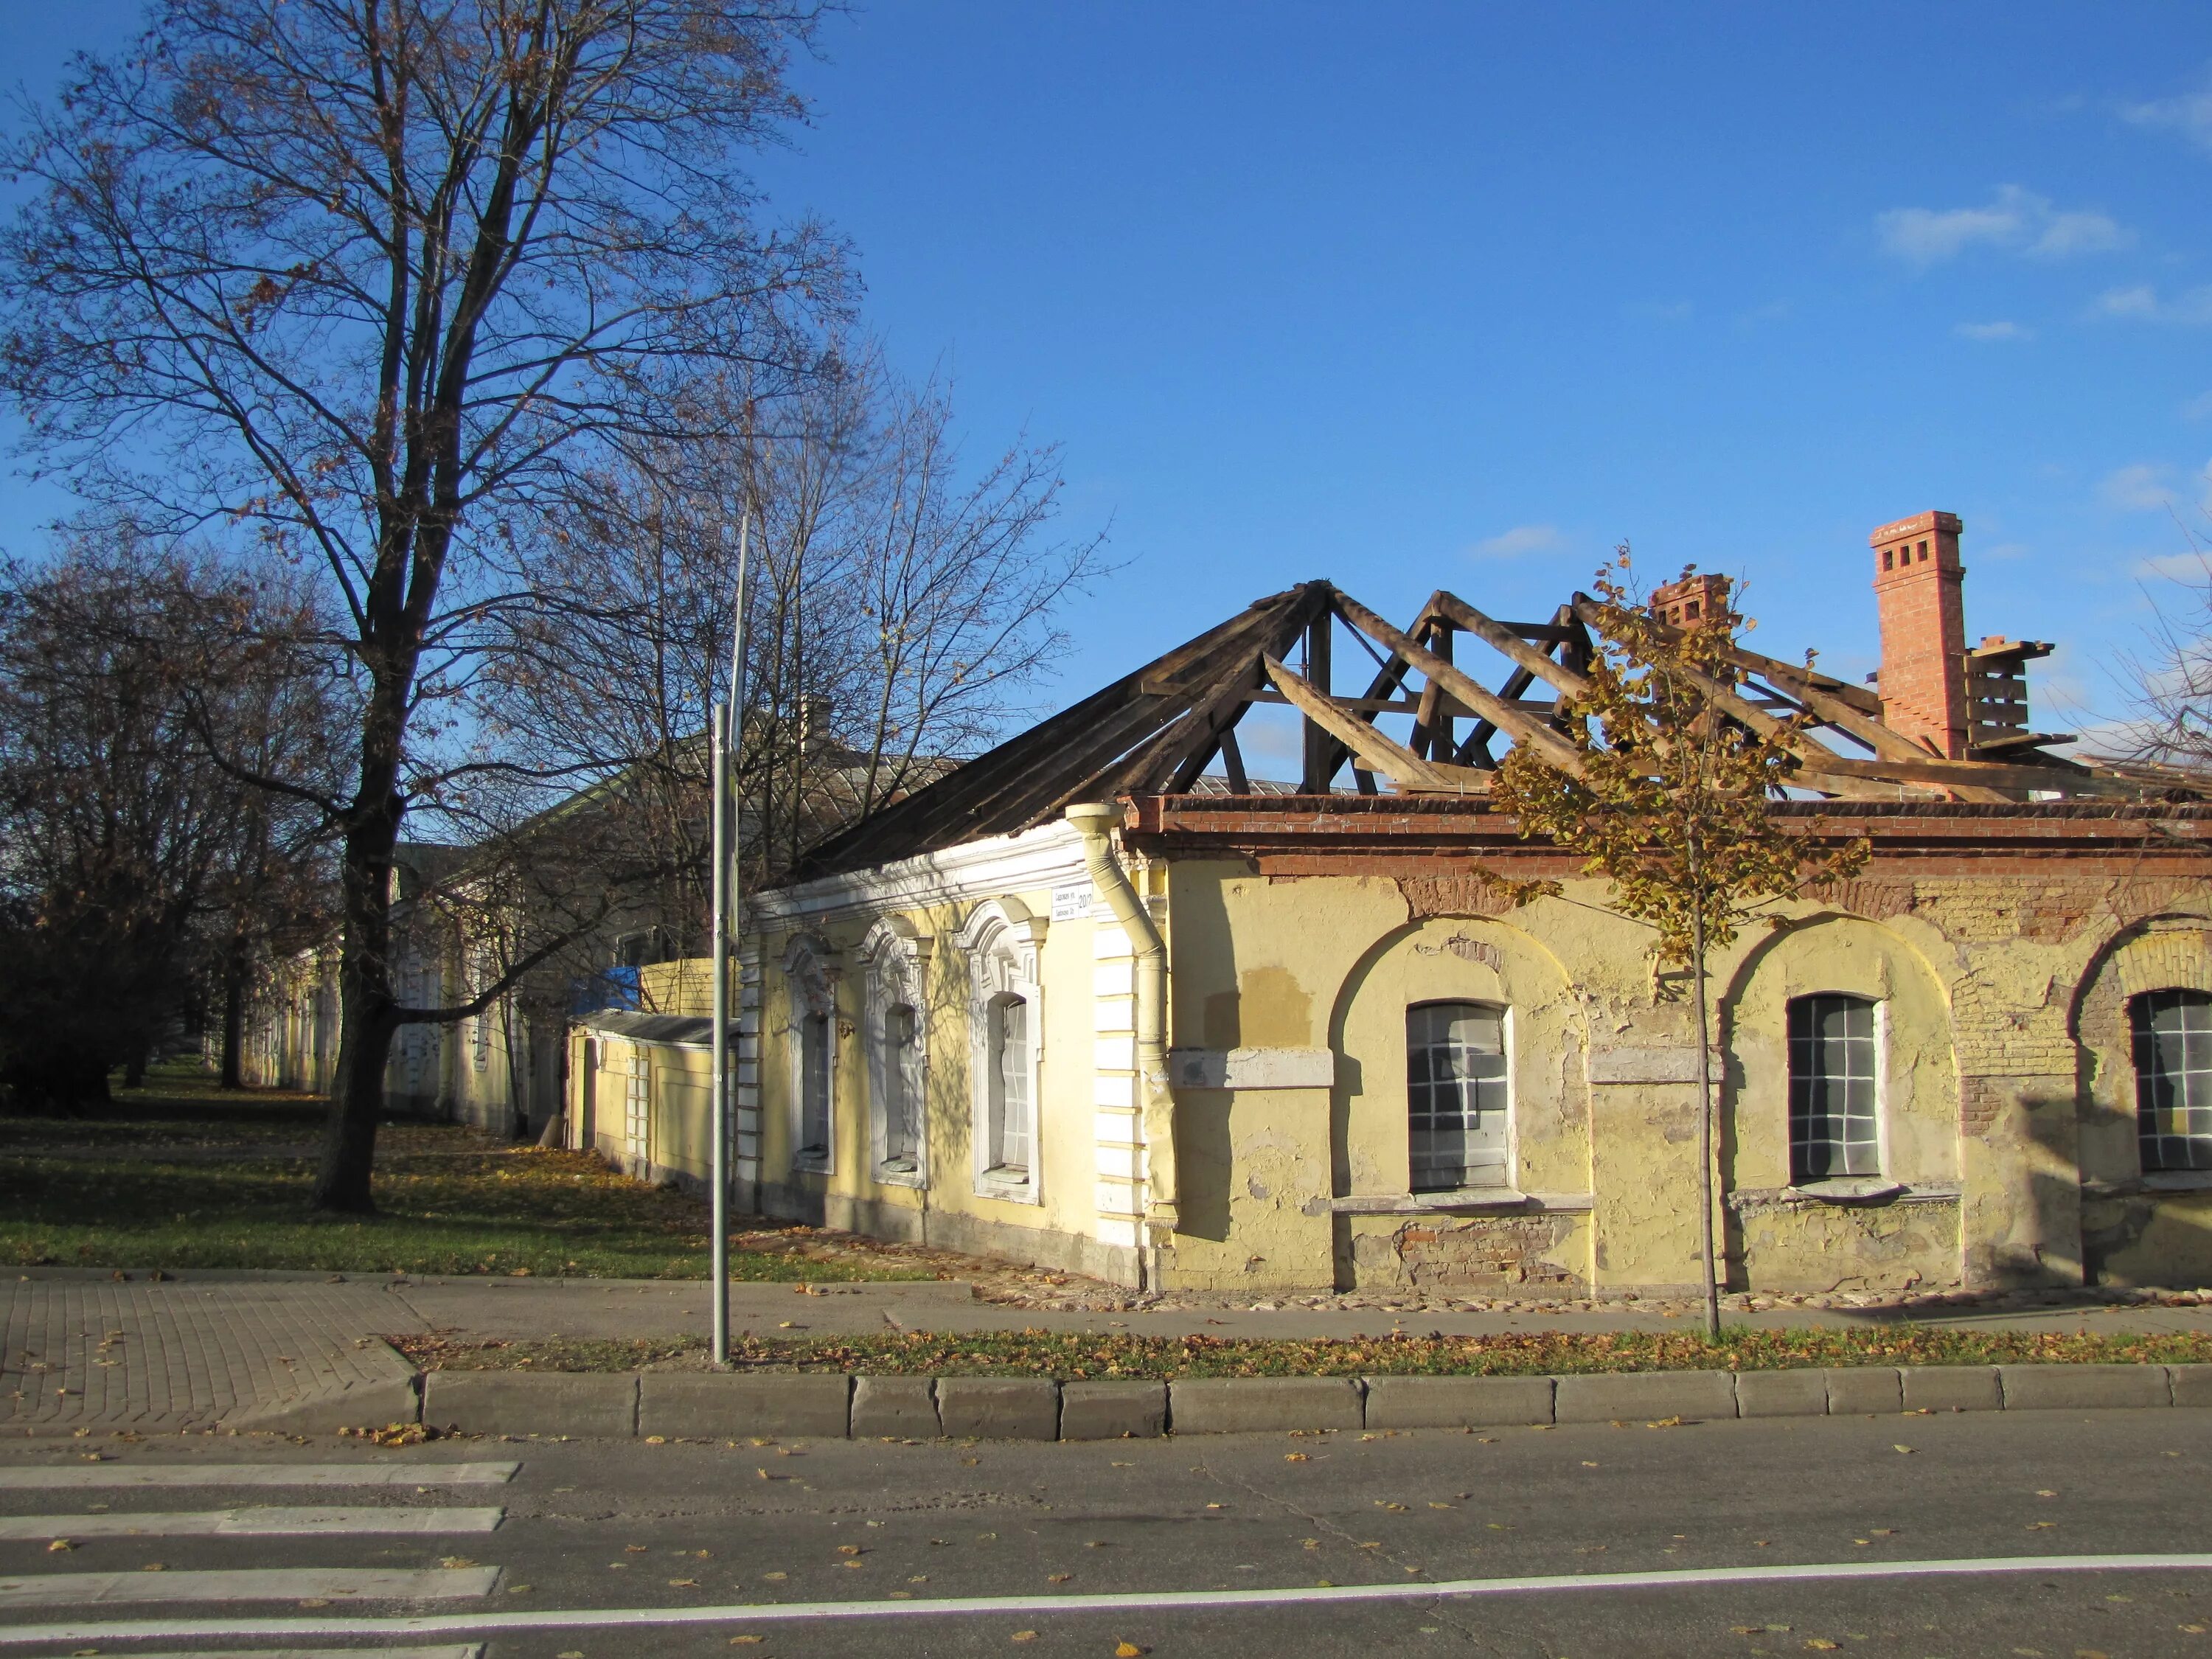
1161, 728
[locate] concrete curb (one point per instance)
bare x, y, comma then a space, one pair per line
827, 1405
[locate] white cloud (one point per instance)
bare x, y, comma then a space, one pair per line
2138, 489
2142, 303
1522, 539
2190, 115
2172, 567
2000, 330
2016, 221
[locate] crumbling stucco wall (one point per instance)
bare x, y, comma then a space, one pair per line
1779, 1239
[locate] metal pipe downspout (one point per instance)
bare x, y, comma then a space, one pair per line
1156, 1100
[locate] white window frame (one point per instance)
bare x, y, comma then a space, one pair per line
1881, 1150
637, 1104
1511, 1169
897, 956
2136, 1007
999, 941
809, 976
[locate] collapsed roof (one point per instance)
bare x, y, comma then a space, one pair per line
1160, 730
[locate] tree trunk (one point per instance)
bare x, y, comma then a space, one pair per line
1706, 1183
366, 1026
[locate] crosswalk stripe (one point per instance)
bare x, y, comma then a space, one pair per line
272, 1520
631, 1620
74, 1475
251, 1584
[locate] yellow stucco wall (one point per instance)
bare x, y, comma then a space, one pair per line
853, 1192
2006, 1098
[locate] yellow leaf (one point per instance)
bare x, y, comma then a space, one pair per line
1906, 1449
59, 1544
849, 1549
1129, 1650
747, 1641
1058, 1577
1822, 1643
778, 1576
1023, 1636
1296, 1457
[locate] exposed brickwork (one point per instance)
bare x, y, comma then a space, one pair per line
1452, 894
1917, 584
1487, 1253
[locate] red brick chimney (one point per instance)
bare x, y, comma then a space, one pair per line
1917, 583
1692, 601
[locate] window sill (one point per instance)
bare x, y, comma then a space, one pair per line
1006, 1186
1466, 1199
1845, 1191
810, 1164
891, 1175
2159, 1180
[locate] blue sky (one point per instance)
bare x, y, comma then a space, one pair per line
1460, 295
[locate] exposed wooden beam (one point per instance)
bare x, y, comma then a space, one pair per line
1501, 638
1546, 742
1371, 748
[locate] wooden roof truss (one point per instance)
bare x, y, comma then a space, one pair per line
1164, 728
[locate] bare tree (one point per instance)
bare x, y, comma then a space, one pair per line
900, 605
136, 868
374, 278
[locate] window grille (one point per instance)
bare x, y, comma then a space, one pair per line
1456, 1094
1010, 1085
902, 1108
814, 1087
637, 1113
2172, 1041
1832, 1126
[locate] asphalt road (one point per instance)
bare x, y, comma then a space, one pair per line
573, 1553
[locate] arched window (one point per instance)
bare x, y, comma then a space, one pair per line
902, 1101
896, 1033
1009, 1157
1456, 1096
999, 942
814, 1088
1834, 1129
2172, 1041
810, 977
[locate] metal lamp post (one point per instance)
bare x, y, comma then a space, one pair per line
726, 722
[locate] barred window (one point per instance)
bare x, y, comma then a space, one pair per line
1456, 1096
1010, 1086
814, 1087
1832, 1059
2172, 1033
902, 1110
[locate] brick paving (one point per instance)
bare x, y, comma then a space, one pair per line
198, 1352
79, 1353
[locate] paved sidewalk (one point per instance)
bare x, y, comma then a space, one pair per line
77, 1354
203, 1350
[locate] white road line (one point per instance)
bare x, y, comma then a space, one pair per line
255, 1474
270, 1521
251, 1584
456, 1651
498, 1623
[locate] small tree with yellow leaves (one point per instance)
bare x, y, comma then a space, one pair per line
1667, 800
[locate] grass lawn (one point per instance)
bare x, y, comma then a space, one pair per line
181, 1174
1072, 1354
